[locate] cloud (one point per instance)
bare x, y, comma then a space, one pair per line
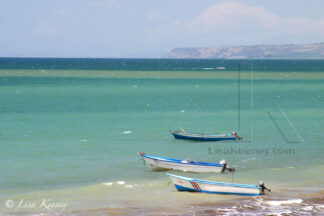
45, 28
233, 16
232, 22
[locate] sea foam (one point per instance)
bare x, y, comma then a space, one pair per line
108, 183
284, 202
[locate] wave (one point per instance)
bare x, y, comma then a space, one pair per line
284, 202
120, 183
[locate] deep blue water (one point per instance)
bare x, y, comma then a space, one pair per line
159, 64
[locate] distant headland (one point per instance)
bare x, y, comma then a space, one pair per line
308, 51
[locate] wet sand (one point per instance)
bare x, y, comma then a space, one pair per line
289, 203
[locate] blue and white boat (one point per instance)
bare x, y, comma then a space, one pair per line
162, 163
182, 134
197, 185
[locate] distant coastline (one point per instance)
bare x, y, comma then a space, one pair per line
286, 51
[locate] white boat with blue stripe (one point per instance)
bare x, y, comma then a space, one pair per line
161, 164
197, 185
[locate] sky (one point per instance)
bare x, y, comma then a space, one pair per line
151, 28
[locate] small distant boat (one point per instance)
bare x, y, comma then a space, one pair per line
162, 164
196, 185
182, 134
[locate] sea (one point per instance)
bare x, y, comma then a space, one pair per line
70, 131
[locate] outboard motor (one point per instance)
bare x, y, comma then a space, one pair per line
225, 167
263, 187
237, 136
141, 153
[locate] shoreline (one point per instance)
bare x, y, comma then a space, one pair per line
271, 204
161, 199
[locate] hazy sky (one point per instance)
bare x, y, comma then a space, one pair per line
151, 28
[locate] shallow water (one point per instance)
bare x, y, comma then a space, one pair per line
67, 130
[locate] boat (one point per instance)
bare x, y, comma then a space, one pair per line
182, 134
161, 164
197, 185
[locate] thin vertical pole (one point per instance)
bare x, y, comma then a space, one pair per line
238, 96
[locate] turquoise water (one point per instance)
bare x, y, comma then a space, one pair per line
74, 124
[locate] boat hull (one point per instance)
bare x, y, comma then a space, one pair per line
160, 165
196, 185
199, 137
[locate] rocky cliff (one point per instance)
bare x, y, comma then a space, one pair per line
254, 51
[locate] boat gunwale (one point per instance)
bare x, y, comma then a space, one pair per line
177, 161
188, 134
214, 182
